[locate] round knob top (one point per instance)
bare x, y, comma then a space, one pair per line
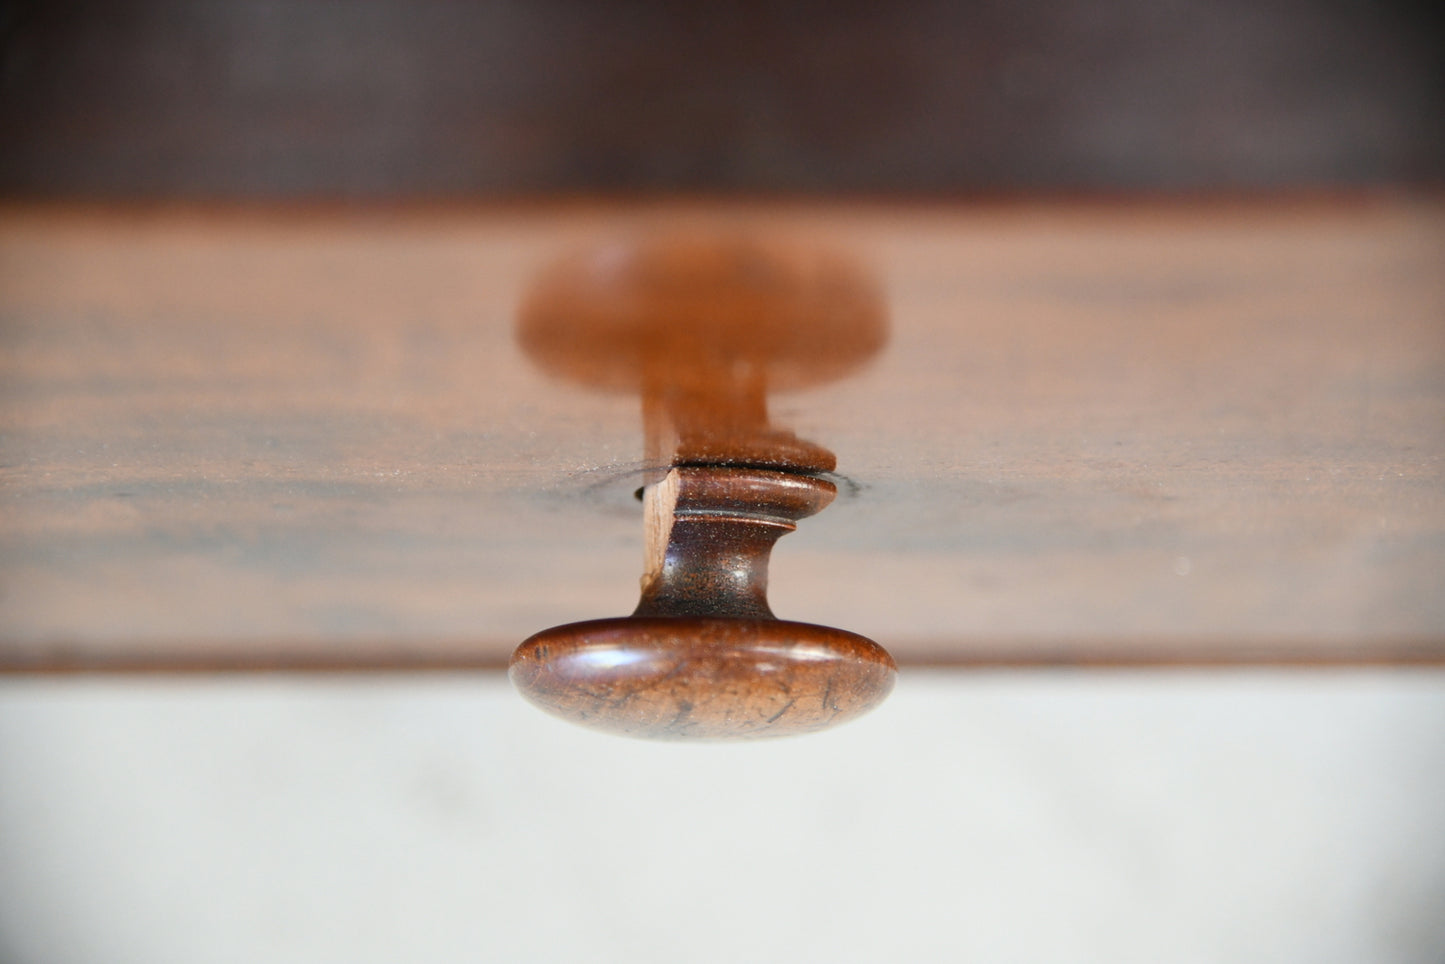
702, 679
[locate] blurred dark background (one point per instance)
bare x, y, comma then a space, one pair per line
401, 98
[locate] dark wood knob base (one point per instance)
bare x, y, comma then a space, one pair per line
703, 657
702, 679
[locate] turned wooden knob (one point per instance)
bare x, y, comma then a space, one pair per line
703, 657
702, 327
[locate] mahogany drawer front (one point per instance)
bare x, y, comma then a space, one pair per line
1129, 432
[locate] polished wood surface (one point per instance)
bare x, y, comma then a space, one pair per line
1133, 432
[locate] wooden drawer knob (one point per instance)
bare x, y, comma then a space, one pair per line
703, 657
702, 327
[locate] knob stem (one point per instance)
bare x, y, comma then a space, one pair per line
710, 532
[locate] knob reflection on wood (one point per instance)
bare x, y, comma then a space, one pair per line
703, 657
703, 327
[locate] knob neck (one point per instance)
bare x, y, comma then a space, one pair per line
710, 533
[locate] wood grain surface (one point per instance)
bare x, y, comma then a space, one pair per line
1144, 432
